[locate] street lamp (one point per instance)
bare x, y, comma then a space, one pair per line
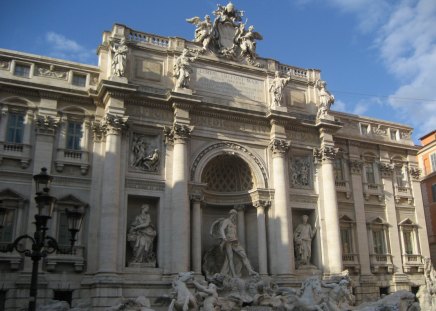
42, 244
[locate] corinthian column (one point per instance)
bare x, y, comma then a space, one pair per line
180, 202
261, 236
325, 155
109, 213
283, 259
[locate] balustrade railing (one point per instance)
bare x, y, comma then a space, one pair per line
137, 36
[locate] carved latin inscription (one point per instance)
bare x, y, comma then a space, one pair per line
231, 85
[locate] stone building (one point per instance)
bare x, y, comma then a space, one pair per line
174, 134
427, 163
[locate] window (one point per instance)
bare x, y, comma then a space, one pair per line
15, 128
7, 232
22, 70
79, 80
408, 242
63, 232
369, 171
347, 240
74, 135
339, 172
364, 129
394, 134
379, 241
399, 176
433, 162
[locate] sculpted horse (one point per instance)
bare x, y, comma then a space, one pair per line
309, 299
183, 299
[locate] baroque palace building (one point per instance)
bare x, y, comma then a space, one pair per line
175, 134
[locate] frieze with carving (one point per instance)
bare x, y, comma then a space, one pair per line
51, 72
227, 37
300, 174
145, 153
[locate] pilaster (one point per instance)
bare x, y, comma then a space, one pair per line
261, 207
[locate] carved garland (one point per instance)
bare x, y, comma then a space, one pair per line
234, 147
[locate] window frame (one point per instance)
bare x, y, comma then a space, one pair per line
15, 128
16, 64
77, 140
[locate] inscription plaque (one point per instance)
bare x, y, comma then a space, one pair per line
231, 85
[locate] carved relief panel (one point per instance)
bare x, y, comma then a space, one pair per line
301, 172
145, 153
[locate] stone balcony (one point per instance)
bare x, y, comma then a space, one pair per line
351, 262
76, 259
412, 263
344, 187
381, 263
78, 158
370, 189
403, 193
21, 152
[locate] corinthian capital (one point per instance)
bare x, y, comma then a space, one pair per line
279, 146
386, 169
181, 131
113, 124
325, 153
46, 124
414, 172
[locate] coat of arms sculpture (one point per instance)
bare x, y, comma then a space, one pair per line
227, 37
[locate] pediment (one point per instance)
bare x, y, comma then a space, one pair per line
70, 200
9, 194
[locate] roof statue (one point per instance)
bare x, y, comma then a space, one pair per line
227, 37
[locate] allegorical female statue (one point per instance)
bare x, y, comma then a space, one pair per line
141, 236
119, 58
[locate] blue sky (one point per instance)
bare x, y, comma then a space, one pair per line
377, 56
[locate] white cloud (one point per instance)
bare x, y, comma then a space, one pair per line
62, 47
407, 43
405, 33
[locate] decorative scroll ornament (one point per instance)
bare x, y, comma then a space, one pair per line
325, 153
279, 146
227, 36
46, 124
356, 166
414, 172
98, 131
386, 169
262, 204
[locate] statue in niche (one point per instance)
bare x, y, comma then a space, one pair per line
303, 236
203, 31
247, 42
145, 157
141, 236
229, 257
276, 89
183, 69
326, 100
300, 172
119, 59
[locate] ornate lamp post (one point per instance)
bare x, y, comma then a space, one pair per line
42, 244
